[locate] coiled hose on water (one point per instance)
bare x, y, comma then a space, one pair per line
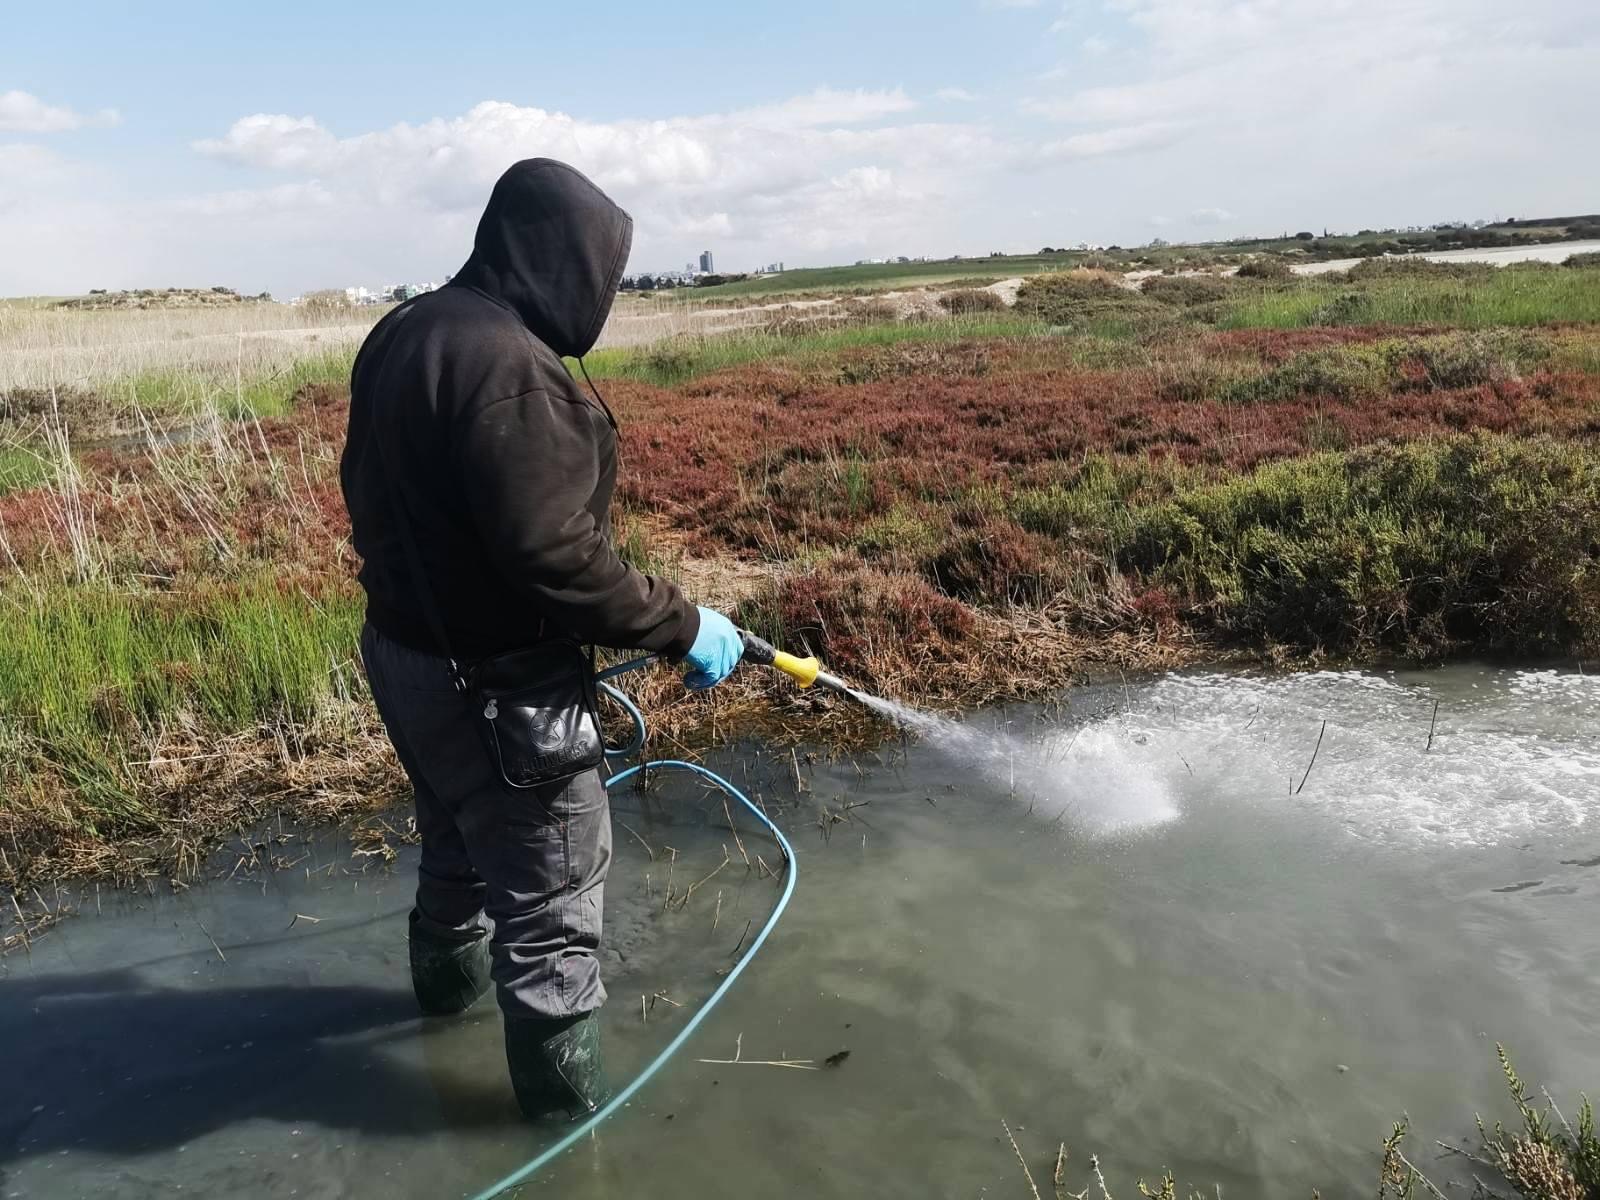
635, 743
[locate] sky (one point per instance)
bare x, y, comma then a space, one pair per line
296, 146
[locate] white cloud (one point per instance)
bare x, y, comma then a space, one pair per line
273, 140
1261, 63
1067, 19
1119, 139
1096, 46
257, 202
1011, 3
955, 93
1347, 114
825, 106
829, 171
23, 112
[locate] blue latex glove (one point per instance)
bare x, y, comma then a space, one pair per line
716, 651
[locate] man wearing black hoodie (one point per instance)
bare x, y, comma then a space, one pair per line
466, 424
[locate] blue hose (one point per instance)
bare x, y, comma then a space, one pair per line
581, 1130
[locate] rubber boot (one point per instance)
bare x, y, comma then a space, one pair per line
555, 1065
449, 971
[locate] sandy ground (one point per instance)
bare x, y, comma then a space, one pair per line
1549, 252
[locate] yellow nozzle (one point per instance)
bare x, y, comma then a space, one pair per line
803, 671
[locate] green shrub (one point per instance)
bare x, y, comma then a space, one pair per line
1336, 372
1411, 266
1270, 269
1186, 291
1589, 258
1095, 506
1486, 356
1090, 302
1350, 372
901, 534
1418, 548
970, 300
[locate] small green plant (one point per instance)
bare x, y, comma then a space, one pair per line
1549, 1158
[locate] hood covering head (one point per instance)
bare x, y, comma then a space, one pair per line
552, 246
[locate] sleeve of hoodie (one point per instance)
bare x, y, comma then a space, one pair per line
530, 465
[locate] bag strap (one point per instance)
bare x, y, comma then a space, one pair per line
408, 537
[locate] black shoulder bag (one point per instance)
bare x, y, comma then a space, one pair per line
536, 709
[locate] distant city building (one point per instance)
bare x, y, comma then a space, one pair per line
658, 279
705, 263
387, 293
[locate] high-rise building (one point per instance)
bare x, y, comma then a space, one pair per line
705, 262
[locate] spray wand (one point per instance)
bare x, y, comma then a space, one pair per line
804, 671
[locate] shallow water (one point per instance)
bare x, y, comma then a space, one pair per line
1149, 941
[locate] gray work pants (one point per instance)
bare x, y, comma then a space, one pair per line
533, 860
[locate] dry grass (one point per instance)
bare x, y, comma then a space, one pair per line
93, 350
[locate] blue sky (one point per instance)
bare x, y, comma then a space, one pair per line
296, 146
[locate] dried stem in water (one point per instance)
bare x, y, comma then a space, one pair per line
1017, 1150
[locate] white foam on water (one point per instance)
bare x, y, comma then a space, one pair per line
1515, 753
1095, 780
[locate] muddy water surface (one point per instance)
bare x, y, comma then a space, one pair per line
1243, 973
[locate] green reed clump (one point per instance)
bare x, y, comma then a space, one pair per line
1507, 297
90, 677
678, 360
23, 467
186, 391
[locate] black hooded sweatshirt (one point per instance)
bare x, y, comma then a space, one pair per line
506, 466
